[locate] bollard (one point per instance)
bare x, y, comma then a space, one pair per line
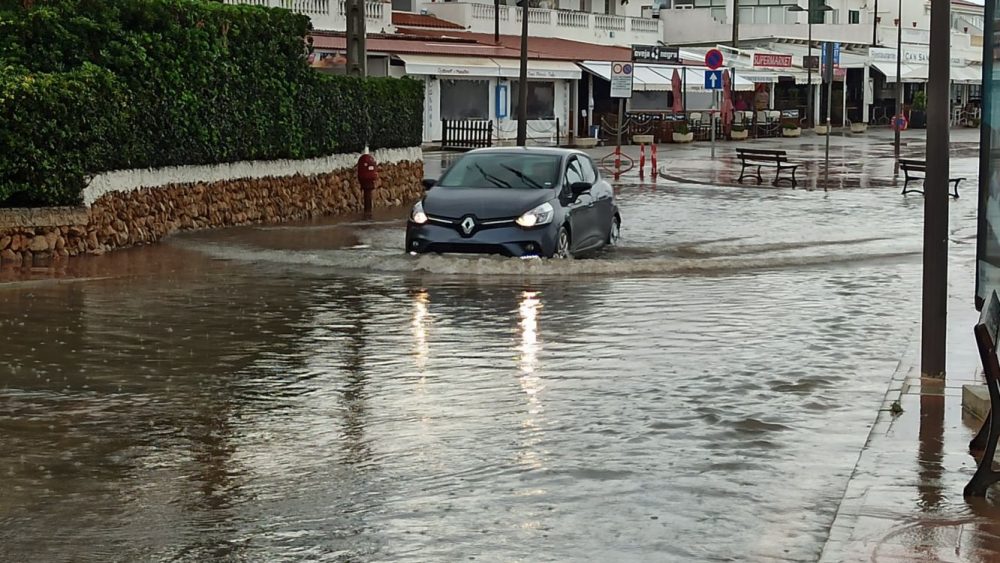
618, 162
367, 176
642, 161
653, 163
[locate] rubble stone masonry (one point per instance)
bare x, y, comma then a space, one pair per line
129, 208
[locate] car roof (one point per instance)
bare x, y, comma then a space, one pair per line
553, 151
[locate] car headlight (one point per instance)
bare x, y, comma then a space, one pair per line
417, 215
541, 215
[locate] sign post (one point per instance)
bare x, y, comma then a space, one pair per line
622, 75
831, 55
713, 83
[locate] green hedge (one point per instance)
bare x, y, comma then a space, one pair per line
88, 86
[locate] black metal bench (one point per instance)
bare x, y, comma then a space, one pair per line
986, 439
778, 160
466, 134
911, 167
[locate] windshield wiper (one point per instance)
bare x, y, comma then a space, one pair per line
496, 181
524, 177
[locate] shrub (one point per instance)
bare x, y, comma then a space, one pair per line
95, 85
681, 128
789, 125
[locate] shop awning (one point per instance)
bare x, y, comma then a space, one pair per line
644, 79
658, 77
889, 70
540, 69
445, 65
967, 74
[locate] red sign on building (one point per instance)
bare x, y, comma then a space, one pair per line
772, 60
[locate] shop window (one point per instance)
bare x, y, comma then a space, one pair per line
541, 100
650, 101
465, 99
854, 16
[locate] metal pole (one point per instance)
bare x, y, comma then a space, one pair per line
829, 106
899, 85
621, 119
809, 76
934, 318
711, 122
522, 93
496, 21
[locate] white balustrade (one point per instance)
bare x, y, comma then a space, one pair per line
642, 25
488, 11
609, 23
566, 18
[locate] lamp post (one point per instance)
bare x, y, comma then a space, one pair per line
899, 85
809, 75
522, 91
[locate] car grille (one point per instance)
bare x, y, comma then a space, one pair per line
450, 248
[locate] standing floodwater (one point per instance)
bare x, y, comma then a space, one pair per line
310, 393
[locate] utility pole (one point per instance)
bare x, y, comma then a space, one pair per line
496, 21
874, 26
522, 90
736, 25
357, 50
934, 318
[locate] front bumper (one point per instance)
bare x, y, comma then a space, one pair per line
506, 240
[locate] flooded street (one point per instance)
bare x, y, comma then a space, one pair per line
309, 392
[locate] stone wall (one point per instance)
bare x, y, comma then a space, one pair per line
117, 217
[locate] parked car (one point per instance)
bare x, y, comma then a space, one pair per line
516, 202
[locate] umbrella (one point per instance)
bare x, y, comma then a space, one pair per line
675, 85
727, 101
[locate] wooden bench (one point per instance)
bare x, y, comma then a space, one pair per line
986, 439
910, 167
763, 157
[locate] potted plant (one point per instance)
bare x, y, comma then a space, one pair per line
642, 139
858, 127
973, 122
789, 129
822, 128
918, 110
681, 133
738, 132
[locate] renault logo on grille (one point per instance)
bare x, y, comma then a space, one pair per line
468, 225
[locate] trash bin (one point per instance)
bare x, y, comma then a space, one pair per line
595, 131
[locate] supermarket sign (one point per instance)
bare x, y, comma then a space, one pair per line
772, 60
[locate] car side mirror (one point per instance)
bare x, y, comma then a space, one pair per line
429, 183
579, 188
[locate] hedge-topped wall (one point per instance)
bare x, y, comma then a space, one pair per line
88, 86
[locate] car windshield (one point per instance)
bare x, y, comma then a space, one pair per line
503, 170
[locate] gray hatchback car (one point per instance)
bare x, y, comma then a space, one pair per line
516, 202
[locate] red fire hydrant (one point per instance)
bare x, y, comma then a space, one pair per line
367, 176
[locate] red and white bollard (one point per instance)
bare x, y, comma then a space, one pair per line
653, 156
618, 162
642, 161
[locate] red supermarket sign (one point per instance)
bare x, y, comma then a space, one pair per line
771, 60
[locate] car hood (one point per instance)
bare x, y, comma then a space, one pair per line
484, 203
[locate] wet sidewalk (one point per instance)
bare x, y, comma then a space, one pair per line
856, 160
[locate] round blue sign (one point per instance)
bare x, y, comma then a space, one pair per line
713, 59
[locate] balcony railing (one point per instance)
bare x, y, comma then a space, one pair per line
330, 15
563, 24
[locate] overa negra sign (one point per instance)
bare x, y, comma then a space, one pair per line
655, 54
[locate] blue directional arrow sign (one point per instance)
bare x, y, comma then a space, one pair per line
713, 80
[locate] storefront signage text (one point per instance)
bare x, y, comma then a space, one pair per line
655, 54
772, 60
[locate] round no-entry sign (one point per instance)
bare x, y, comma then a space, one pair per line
899, 122
713, 59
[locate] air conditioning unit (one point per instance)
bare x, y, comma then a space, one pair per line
684, 7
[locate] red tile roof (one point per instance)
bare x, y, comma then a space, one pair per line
403, 46
446, 42
407, 19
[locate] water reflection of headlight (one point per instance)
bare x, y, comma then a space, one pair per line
530, 304
421, 350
